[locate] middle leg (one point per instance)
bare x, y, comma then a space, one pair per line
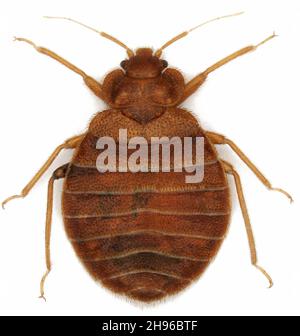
219, 139
71, 143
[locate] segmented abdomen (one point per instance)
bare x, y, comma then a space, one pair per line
145, 235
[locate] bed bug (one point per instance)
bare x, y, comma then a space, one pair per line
145, 235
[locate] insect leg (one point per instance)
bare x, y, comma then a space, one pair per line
230, 170
89, 81
57, 174
195, 83
70, 143
219, 139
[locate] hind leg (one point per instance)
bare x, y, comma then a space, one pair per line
230, 170
57, 174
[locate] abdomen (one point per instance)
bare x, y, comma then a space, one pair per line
144, 235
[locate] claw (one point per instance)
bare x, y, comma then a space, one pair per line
42, 283
284, 193
42, 297
266, 275
266, 40
9, 199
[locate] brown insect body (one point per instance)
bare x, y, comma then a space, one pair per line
145, 235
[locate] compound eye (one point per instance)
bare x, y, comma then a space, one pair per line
164, 63
123, 64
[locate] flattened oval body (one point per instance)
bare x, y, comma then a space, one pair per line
145, 235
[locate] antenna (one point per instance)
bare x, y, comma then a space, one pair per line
183, 34
130, 53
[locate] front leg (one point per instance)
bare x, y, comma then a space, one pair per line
219, 139
89, 81
197, 81
70, 143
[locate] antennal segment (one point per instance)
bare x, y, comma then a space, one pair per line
183, 34
103, 34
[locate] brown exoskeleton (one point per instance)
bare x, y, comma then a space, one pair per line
145, 235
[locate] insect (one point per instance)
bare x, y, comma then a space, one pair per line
145, 235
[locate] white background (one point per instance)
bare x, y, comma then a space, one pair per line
254, 101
